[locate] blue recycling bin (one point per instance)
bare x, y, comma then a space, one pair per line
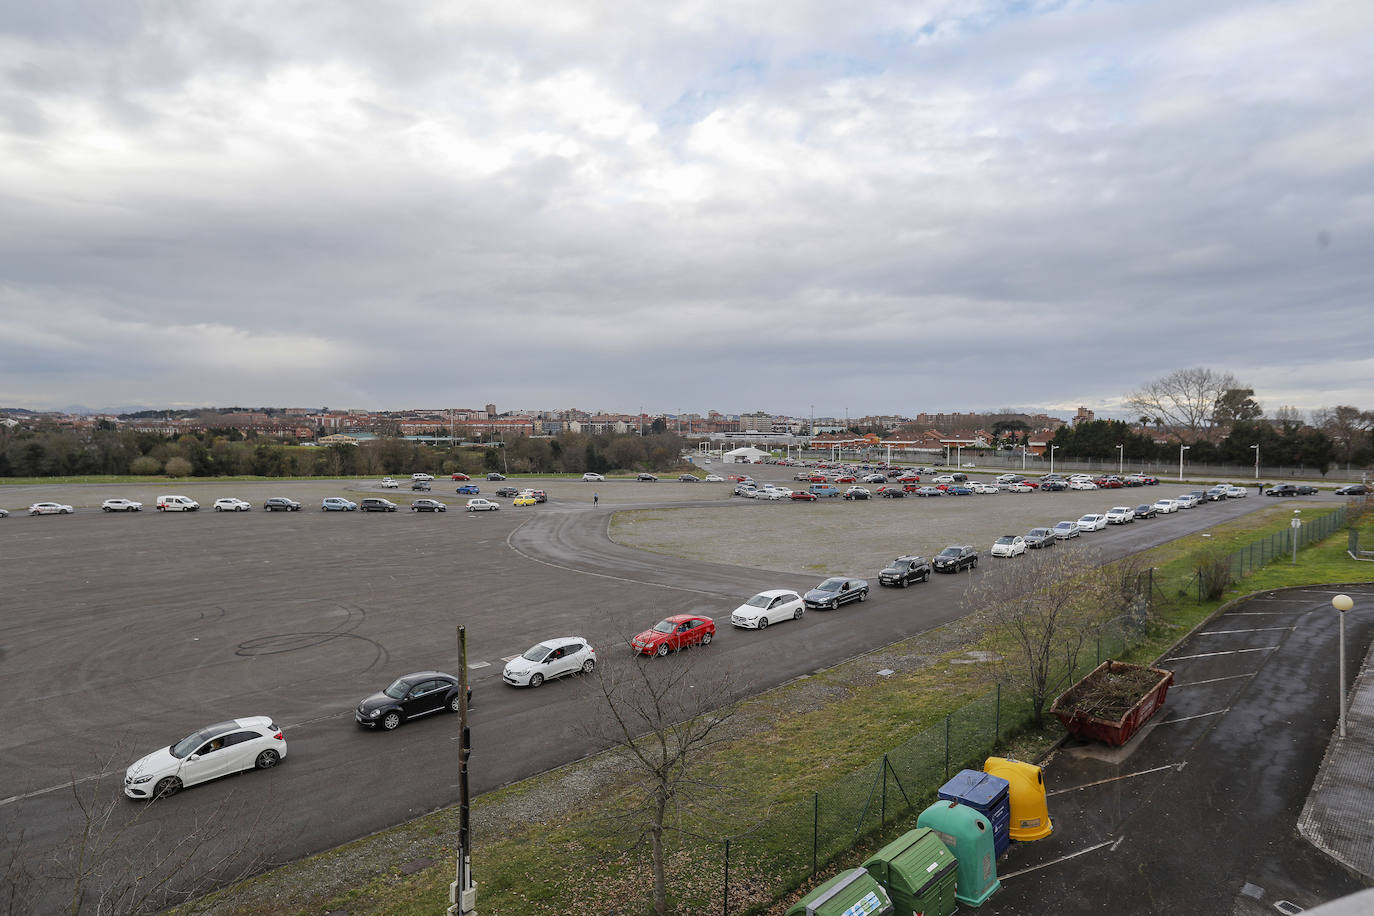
990, 796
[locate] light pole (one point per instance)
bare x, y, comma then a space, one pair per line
1120, 459
1181, 450
1342, 603
958, 453
1053, 449
1023, 457
1295, 526
1256, 448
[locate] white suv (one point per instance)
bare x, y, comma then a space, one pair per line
1120, 515
176, 504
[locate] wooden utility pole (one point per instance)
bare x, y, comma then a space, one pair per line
462, 893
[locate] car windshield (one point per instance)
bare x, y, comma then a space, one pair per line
663, 626
1088, 518
950, 552
397, 690
830, 585
1006, 539
759, 601
188, 745
536, 653
1064, 525
1038, 532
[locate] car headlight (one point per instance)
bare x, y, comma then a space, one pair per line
139, 780
374, 714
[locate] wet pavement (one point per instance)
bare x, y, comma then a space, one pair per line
1201, 811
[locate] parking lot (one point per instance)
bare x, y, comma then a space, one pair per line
124, 632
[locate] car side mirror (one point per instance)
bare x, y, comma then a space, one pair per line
194, 757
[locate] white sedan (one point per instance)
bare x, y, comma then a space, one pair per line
768, 607
389, 484
713, 478
1165, 506
1082, 485
232, 504
1009, 545
1092, 522
49, 509
120, 505
593, 478
254, 743
482, 505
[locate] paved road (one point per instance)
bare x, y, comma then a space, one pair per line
122, 633
1198, 814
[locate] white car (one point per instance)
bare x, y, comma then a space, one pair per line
1009, 545
768, 607
944, 478
593, 478
1082, 485
482, 505
254, 743
1235, 492
337, 504
981, 487
389, 484
1007, 478
1120, 515
120, 505
421, 476
1065, 530
713, 478
49, 509
1092, 522
550, 659
1187, 500
1165, 506
773, 492
231, 504
172, 503
1020, 488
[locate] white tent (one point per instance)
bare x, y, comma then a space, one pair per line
744, 455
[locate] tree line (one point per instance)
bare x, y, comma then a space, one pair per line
108, 450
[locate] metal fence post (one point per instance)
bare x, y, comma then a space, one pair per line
726, 903
997, 722
947, 747
1099, 646
815, 828
882, 816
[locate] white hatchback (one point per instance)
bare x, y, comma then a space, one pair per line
1092, 522
232, 504
120, 505
482, 505
550, 659
1009, 545
1165, 506
768, 607
1120, 515
389, 484
208, 753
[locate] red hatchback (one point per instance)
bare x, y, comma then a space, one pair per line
847, 478
802, 494
461, 476
676, 632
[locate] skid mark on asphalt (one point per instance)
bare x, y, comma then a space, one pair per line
674, 588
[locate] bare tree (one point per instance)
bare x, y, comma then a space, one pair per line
660, 716
1346, 426
1184, 400
1048, 603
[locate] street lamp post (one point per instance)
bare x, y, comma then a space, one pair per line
1023, 457
1120, 459
1256, 448
1053, 449
1181, 450
958, 452
1342, 603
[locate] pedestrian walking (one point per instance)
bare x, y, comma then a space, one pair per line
596, 498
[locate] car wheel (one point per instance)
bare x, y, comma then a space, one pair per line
926, 577
267, 759
589, 666
835, 605
68, 511
219, 508
106, 509
391, 720
536, 680
166, 787
863, 595
974, 564
763, 621
706, 638
662, 649
797, 614
456, 704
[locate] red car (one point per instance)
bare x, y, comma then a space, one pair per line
816, 478
848, 478
802, 494
461, 477
910, 478
676, 632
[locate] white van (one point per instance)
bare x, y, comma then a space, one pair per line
176, 504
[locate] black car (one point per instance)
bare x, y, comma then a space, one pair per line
1201, 495
689, 478
1354, 489
1306, 489
892, 493
835, 591
495, 476
507, 491
1040, 537
1283, 489
410, 697
649, 477
280, 504
955, 558
428, 505
1146, 511
905, 570
1052, 486
377, 504
419, 485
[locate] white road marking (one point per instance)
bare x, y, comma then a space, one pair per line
1103, 782
1253, 630
1201, 715
1072, 855
479, 664
1213, 680
1179, 658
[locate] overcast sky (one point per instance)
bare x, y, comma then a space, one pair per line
870, 207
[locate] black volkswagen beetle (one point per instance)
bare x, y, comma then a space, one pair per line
410, 697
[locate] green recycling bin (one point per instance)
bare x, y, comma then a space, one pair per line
917, 870
850, 893
969, 836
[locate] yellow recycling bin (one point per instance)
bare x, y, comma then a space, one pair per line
1030, 813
